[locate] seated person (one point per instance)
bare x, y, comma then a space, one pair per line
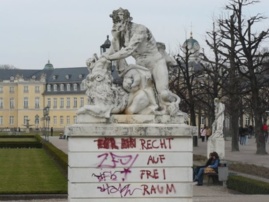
213, 164
197, 168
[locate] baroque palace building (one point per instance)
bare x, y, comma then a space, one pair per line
25, 93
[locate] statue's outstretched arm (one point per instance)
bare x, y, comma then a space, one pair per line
135, 41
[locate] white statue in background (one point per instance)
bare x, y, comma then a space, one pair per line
216, 140
131, 39
217, 126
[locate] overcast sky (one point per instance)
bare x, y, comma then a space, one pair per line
69, 31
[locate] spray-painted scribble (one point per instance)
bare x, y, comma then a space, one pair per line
123, 191
106, 143
128, 143
120, 175
111, 160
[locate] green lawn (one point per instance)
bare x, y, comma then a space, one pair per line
29, 171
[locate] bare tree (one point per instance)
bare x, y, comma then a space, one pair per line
249, 59
183, 81
6, 66
232, 87
214, 70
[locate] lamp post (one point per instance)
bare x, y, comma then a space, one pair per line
105, 46
36, 121
46, 118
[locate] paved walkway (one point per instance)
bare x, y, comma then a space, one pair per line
247, 153
207, 193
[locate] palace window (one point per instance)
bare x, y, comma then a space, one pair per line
61, 102
11, 89
61, 120
1, 103
11, 103
55, 120
55, 87
75, 102
11, 120
55, 103
25, 120
37, 89
48, 102
48, 87
62, 87
68, 102
68, 87
81, 101
68, 120
25, 102
247, 121
75, 86
37, 103
25, 89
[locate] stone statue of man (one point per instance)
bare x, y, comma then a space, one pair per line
131, 39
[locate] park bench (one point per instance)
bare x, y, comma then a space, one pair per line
213, 176
219, 177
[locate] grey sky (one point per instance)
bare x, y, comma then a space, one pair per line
69, 31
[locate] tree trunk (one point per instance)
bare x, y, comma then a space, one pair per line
192, 117
235, 111
260, 139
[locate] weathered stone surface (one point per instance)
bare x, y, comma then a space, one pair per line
144, 88
133, 119
127, 158
154, 130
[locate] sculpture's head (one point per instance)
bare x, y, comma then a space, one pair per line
121, 19
121, 15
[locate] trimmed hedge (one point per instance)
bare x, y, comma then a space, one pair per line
17, 136
58, 155
199, 158
247, 185
19, 144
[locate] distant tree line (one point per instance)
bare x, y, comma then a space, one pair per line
6, 66
236, 70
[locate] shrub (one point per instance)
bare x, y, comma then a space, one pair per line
247, 185
22, 141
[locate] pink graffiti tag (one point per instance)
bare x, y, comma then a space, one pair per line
116, 160
122, 190
111, 160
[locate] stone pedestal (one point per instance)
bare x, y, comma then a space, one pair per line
217, 145
130, 158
